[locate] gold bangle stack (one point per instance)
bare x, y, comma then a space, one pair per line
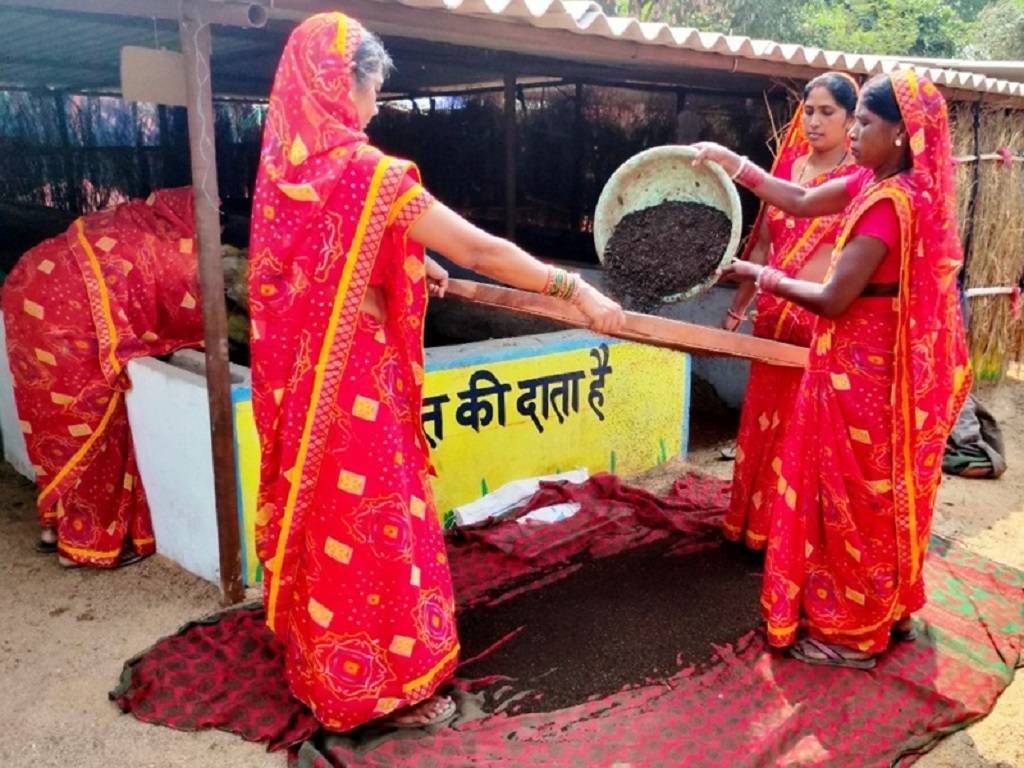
563, 285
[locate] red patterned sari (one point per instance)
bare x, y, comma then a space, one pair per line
119, 284
861, 459
772, 389
357, 581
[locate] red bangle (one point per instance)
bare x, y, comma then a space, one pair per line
750, 176
768, 279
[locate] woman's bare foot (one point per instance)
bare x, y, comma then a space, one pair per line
436, 710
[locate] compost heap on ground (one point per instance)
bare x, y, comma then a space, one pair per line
664, 250
603, 624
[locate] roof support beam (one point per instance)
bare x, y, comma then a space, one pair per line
235, 14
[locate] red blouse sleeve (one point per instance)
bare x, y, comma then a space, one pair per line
412, 201
857, 182
880, 222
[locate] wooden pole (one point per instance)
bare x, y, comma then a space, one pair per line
74, 189
195, 45
510, 155
578, 153
647, 329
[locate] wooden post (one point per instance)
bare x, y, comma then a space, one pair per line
578, 153
195, 45
73, 195
511, 146
141, 152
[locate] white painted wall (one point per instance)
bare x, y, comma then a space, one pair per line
169, 416
13, 440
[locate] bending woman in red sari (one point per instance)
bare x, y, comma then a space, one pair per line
815, 150
357, 582
860, 463
119, 284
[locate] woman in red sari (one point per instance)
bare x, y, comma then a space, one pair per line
815, 150
357, 582
860, 463
119, 284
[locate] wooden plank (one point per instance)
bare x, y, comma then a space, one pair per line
656, 331
195, 44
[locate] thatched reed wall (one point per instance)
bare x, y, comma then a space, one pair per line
991, 215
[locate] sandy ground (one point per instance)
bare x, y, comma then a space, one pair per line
67, 633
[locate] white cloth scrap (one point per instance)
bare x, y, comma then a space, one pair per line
511, 495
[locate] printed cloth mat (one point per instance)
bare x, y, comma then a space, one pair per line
628, 633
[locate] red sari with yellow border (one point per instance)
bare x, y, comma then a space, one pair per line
860, 462
119, 284
772, 389
357, 582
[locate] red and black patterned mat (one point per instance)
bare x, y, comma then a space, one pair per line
626, 634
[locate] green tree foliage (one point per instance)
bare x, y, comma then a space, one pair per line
936, 28
998, 32
907, 27
769, 19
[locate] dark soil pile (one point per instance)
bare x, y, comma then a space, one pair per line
663, 250
613, 622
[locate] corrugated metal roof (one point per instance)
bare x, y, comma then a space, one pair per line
60, 48
586, 18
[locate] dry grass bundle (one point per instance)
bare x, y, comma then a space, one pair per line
961, 128
997, 252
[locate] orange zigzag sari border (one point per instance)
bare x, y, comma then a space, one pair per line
96, 288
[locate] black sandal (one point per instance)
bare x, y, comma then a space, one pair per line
903, 635
46, 547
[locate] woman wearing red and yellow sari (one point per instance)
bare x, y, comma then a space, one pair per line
815, 150
357, 582
860, 462
119, 284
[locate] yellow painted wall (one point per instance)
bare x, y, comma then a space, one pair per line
487, 436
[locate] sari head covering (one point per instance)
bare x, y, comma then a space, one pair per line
327, 207
312, 129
